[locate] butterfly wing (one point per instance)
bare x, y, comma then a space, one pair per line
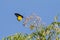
19, 17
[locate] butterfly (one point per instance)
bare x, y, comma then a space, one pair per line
19, 16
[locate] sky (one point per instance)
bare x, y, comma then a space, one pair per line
46, 9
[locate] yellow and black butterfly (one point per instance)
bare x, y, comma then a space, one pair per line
19, 17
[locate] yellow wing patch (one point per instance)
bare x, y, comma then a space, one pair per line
19, 18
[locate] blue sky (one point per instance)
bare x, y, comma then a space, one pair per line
46, 9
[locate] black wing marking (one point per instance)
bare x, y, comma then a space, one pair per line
17, 14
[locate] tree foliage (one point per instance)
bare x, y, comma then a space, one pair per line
42, 32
